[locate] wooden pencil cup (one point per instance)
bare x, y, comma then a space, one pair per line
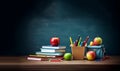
78, 52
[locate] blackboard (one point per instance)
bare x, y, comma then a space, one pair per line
31, 24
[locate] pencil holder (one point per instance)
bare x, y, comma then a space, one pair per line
78, 52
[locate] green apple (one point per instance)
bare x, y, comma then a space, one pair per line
67, 56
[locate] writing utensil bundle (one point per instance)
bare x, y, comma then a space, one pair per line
79, 41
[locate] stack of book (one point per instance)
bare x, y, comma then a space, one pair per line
47, 53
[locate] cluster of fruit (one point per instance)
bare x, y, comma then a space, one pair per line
96, 42
91, 55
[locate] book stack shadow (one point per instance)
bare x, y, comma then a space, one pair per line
49, 53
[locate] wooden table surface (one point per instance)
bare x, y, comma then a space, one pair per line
21, 63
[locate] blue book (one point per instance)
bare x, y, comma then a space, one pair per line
50, 53
52, 50
54, 47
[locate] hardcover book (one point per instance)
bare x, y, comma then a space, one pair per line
50, 53
43, 58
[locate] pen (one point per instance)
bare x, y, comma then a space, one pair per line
71, 41
76, 42
85, 41
81, 44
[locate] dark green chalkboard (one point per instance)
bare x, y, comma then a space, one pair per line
38, 21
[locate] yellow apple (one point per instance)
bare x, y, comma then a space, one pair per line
91, 43
91, 55
97, 41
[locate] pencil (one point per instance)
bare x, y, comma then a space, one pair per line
79, 41
71, 41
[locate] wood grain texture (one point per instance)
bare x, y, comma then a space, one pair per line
22, 64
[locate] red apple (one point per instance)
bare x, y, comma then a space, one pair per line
97, 41
55, 41
91, 55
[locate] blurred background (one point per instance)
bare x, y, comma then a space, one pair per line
26, 25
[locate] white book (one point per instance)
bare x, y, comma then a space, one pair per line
31, 58
52, 50
54, 47
38, 59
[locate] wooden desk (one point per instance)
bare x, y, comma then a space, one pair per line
22, 64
